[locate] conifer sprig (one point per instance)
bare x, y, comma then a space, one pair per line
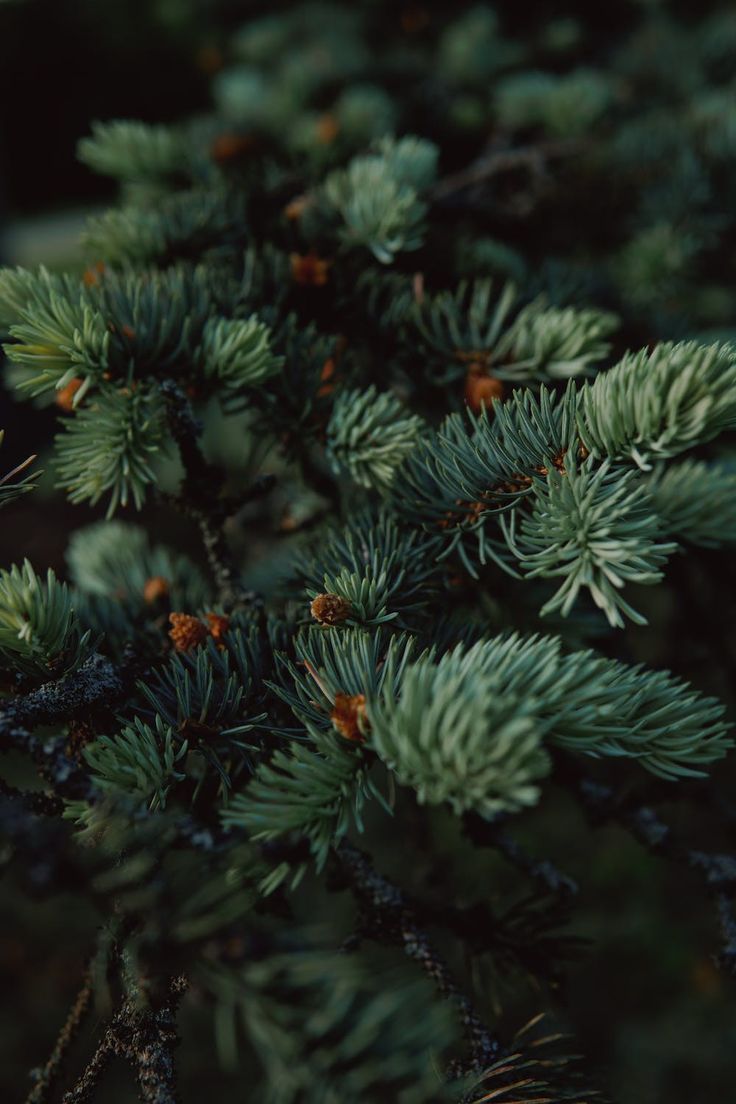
659, 404
109, 446
139, 763
134, 151
596, 530
39, 633
369, 435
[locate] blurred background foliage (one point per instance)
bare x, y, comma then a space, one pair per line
644, 1000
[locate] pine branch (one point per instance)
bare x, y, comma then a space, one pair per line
97, 680
717, 871
42, 804
47, 1076
84, 1089
388, 917
97, 683
144, 1039
199, 497
248, 276
534, 158
491, 834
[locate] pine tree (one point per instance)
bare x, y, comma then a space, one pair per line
417, 333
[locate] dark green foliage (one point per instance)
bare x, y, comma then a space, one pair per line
413, 355
386, 572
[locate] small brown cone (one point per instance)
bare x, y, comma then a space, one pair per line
93, 274
219, 625
309, 270
348, 715
154, 588
327, 128
229, 147
296, 207
328, 371
482, 391
186, 632
65, 397
330, 609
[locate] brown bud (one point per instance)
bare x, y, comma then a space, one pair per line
229, 147
65, 396
349, 717
186, 632
330, 609
219, 625
309, 270
328, 371
93, 274
327, 128
481, 390
154, 588
296, 207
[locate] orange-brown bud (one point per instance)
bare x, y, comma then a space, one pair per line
330, 609
328, 371
309, 270
65, 397
349, 717
228, 147
219, 625
296, 207
93, 274
186, 632
154, 588
481, 391
327, 128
